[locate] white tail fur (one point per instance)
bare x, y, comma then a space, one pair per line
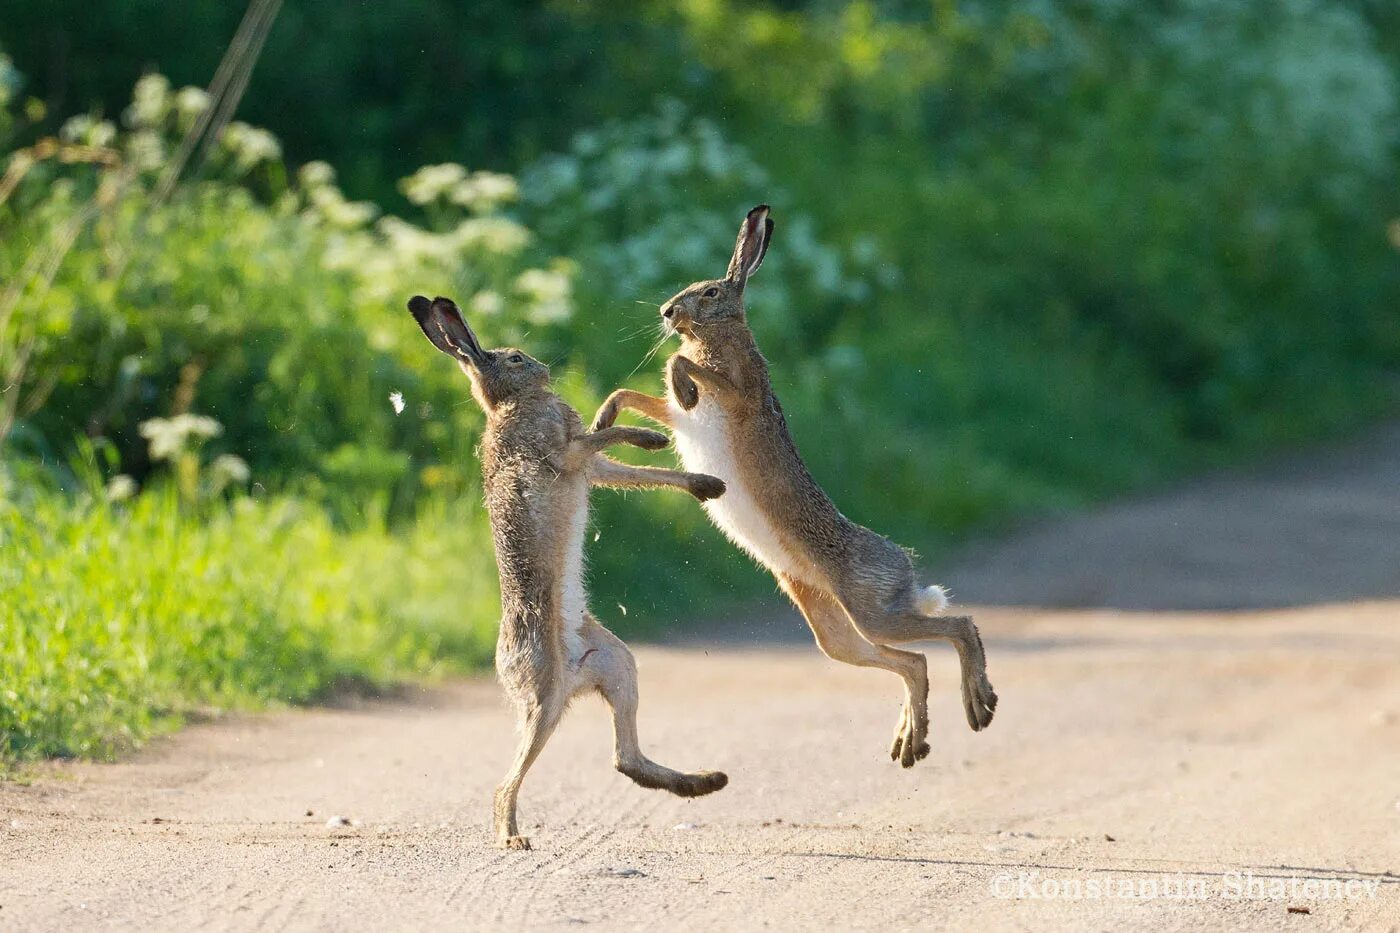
931, 600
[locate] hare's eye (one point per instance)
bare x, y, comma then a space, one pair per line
515, 358
710, 292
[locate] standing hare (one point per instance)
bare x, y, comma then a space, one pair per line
538, 464
855, 588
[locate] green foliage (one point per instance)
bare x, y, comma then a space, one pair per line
380, 88
279, 315
119, 620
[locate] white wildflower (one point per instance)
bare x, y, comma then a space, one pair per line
431, 182
350, 214
548, 291
86, 130
316, 175
145, 149
228, 469
492, 234
484, 192
414, 244
396, 400
250, 145
345, 253
864, 249
150, 101
330, 205
543, 284
191, 101
168, 437
75, 129
487, 302
120, 488
587, 143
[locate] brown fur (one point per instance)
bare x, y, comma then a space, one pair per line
538, 464
855, 588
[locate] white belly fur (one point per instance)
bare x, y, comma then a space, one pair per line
702, 440
573, 598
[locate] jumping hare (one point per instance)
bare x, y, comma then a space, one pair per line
538, 464
855, 588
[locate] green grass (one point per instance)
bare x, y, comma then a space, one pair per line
117, 622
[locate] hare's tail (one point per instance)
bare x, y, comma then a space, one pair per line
931, 600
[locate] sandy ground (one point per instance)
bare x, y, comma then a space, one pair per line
1200, 753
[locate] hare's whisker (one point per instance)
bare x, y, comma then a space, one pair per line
661, 341
635, 332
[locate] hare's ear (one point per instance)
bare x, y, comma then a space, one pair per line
442, 323
752, 245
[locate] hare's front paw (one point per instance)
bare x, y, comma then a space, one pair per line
704, 487
515, 842
685, 390
605, 417
651, 440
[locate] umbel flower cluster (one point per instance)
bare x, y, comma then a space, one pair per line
463, 234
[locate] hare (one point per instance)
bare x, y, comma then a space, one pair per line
855, 588
538, 465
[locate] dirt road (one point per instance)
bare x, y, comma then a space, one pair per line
1207, 755
1320, 526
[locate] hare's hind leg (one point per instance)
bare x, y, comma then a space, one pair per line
528, 671
608, 664
840, 641
901, 620
538, 720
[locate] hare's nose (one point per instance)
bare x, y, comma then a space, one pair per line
668, 311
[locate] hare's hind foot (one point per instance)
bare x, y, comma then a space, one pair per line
910, 743
515, 842
647, 773
882, 627
701, 783
907, 752
979, 701
612, 670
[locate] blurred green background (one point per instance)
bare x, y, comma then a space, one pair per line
1028, 255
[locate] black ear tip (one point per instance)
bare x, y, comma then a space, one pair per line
419, 305
761, 209
446, 304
